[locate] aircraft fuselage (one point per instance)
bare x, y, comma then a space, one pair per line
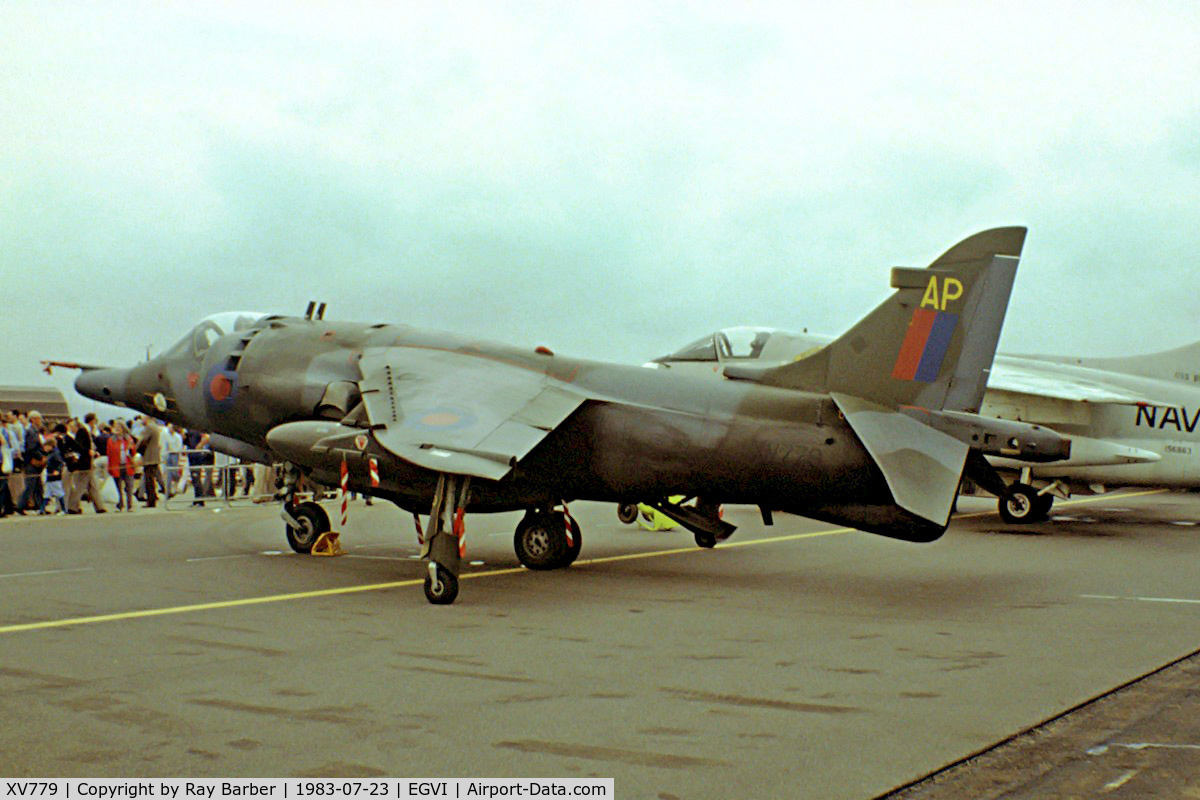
651, 433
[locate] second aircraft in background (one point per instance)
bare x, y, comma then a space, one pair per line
1132, 421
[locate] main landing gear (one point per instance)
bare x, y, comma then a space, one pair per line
1021, 504
547, 539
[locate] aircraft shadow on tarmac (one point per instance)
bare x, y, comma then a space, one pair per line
913, 593
1097, 523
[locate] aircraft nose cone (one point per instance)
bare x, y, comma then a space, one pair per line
105, 385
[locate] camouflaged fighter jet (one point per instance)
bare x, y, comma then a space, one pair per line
872, 433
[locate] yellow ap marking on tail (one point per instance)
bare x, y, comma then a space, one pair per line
952, 289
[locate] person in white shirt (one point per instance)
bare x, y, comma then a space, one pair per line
7, 451
16, 437
173, 447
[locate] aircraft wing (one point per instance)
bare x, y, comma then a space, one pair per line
458, 413
1043, 380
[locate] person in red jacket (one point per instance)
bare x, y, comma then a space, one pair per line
121, 448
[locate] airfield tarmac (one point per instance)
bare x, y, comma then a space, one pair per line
795, 661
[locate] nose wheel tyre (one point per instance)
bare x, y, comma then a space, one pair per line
627, 513
444, 591
1021, 505
313, 522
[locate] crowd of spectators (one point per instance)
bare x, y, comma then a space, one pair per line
50, 470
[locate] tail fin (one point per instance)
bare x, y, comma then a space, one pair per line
932, 342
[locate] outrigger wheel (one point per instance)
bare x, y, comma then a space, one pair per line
313, 521
1021, 504
441, 586
541, 540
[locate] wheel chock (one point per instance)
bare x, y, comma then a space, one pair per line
328, 544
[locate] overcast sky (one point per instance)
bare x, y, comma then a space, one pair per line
609, 180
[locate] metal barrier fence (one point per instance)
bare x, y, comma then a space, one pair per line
216, 479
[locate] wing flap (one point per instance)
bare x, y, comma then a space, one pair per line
548, 409
440, 459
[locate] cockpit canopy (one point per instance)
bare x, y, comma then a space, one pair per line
211, 328
746, 344
724, 345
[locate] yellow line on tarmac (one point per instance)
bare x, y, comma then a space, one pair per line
1097, 499
724, 546
375, 587
159, 612
370, 587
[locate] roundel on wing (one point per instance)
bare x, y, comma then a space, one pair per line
220, 388
442, 418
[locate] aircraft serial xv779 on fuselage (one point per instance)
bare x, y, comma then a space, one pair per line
874, 436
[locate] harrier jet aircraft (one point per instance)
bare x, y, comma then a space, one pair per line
872, 433
1132, 421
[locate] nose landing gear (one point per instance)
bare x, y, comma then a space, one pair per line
305, 524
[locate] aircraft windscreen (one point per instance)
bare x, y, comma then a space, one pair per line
228, 321
180, 348
699, 350
213, 327
742, 342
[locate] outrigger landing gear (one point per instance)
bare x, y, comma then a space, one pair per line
547, 539
445, 538
703, 519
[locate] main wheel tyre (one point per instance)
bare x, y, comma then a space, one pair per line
313, 522
541, 541
1020, 505
627, 513
446, 589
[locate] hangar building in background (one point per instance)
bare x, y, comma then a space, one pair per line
48, 400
